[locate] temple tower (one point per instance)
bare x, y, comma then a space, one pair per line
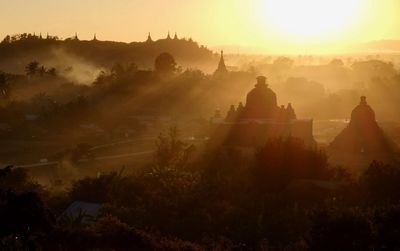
221, 70
261, 102
149, 39
363, 134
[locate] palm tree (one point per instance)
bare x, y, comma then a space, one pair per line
32, 68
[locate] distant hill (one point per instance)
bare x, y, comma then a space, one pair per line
17, 51
380, 46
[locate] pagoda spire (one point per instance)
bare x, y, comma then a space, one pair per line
149, 39
221, 66
95, 37
169, 36
363, 100
176, 36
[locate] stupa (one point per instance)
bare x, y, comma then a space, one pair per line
363, 134
260, 119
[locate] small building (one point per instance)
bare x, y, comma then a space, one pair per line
84, 212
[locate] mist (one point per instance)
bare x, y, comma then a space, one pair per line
73, 68
167, 142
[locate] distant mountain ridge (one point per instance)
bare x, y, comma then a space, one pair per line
382, 46
377, 46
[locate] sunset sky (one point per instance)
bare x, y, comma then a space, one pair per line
278, 25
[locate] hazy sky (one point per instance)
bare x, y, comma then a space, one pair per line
273, 24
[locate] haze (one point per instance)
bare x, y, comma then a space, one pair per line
222, 125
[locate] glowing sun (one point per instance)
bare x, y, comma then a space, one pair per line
309, 19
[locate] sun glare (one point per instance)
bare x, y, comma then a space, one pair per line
309, 19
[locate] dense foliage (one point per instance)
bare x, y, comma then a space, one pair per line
284, 196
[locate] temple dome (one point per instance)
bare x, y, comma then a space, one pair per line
363, 134
261, 102
363, 114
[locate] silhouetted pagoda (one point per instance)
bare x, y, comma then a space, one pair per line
363, 134
221, 70
149, 39
260, 119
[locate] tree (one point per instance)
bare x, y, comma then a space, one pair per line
23, 215
297, 88
281, 161
339, 230
374, 68
82, 151
171, 152
98, 189
4, 86
283, 63
42, 71
336, 63
387, 225
6, 40
165, 64
52, 72
379, 183
32, 68
117, 70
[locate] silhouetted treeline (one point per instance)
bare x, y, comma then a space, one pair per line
284, 196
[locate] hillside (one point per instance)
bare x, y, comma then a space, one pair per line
17, 51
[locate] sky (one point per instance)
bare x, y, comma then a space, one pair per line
270, 25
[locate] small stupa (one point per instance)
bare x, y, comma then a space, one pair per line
363, 134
